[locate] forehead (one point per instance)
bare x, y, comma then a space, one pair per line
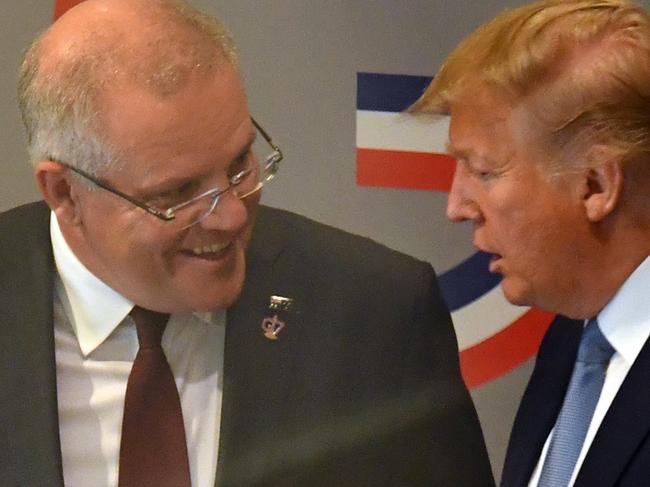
207, 113
488, 124
479, 123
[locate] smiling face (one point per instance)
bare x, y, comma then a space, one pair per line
532, 223
173, 148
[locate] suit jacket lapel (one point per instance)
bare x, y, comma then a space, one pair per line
29, 369
254, 366
542, 401
625, 426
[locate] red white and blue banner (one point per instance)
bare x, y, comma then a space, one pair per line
398, 151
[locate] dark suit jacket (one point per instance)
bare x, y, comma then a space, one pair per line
620, 453
362, 388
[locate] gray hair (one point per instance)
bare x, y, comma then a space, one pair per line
60, 104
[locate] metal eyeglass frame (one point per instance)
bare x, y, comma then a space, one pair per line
271, 167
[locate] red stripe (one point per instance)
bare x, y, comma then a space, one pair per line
62, 6
401, 169
506, 350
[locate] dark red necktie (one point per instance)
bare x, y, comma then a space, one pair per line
153, 450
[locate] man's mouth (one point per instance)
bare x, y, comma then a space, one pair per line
211, 250
494, 259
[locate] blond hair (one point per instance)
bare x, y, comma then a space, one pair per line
584, 64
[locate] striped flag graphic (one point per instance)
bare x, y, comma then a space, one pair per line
393, 149
399, 151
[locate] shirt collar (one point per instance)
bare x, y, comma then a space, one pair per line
96, 308
625, 320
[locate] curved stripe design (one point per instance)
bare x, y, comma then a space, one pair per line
468, 281
506, 350
485, 317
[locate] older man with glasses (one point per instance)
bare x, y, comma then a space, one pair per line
151, 337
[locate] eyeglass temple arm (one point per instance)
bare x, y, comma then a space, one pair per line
266, 136
98, 182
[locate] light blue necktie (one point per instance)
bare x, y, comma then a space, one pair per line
578, 408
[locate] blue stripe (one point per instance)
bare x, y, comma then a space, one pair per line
389, 92
468, 281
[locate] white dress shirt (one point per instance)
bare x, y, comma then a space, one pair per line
625, 322
96, 343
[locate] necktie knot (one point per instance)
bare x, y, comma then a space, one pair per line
150, 326
594, 347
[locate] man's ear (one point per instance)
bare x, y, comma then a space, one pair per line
53, 181
604, 189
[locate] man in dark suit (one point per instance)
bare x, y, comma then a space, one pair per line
549, 109
308, 358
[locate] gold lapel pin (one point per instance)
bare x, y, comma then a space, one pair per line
273, 325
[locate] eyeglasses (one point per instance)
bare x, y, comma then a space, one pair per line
244, 183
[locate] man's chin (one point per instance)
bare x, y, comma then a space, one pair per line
214, 291
516, 293
223, 298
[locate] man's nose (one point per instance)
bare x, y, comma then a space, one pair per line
230, 214
460, 203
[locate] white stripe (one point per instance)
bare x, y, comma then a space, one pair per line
401, 131
484, 318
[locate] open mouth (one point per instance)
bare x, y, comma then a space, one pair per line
213, 251
494, 259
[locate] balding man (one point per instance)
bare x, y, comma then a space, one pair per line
144, 342
550, 125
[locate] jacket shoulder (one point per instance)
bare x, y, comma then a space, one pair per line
310, 240
24, 233
23, 221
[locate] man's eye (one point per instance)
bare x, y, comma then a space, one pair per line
175, 195
239, 164
483, 174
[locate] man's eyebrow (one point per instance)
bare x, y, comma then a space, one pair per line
453, 151
469, 156
160, 186
249, 144
252, 138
